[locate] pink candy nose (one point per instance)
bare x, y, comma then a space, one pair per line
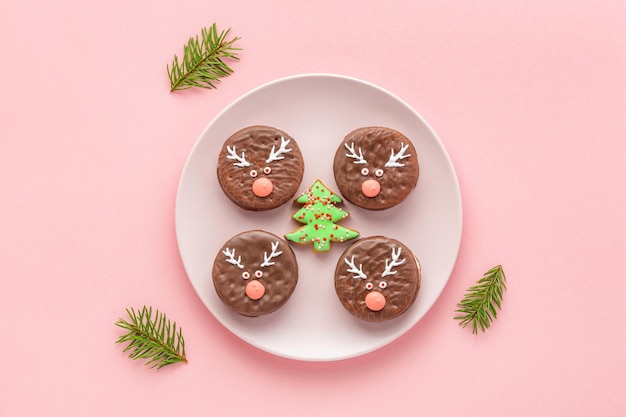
370, 188
375, 301
255, 290
262, 187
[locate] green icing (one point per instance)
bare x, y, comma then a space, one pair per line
319, 215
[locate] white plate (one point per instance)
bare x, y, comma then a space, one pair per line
318, 110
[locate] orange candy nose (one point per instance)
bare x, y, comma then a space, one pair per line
375, 301
370, 188
255, 290
262, 187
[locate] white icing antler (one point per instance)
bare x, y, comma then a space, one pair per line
358, 158
276, 155
393, 159
274, 254
358, 273
230, 258
394, 262
232, 154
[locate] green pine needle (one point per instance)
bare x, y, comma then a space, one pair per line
155, 339
482, 301
203, 62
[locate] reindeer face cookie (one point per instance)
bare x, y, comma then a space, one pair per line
376, 167
260, 168
377, 279
255, 273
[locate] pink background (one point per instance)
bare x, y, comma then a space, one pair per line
527, 96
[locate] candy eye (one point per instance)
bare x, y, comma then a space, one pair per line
245, 275
365, 171
258, 274
379, 172
382, 285
267, 170
369, 286
253, 173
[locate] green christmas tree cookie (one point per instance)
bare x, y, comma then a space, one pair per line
319, 215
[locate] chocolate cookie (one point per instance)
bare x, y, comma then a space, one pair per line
377, 279
255, 273
376, 167
260, 167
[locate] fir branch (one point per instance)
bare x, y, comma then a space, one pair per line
156, 339
482, 301
203, 62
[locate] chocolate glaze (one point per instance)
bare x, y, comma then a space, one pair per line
256, 143
279, 279
371, 254
376, 144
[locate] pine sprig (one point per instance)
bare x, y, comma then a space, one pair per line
203, 62
482, 301
155, 339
